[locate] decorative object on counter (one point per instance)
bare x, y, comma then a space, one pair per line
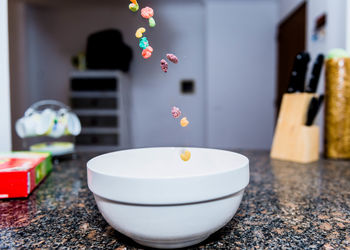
337, 103
337, 53
55, 148
164, 207
296, 138
107, 51
49, 118
21, 172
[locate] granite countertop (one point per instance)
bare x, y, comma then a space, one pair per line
285, 205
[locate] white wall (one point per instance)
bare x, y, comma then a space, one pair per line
347, 9
57, 32
241, 70
232, 63
288, 6
5, 124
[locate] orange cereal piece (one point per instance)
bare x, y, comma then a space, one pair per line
185, 156
184, 122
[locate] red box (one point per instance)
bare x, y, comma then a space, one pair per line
22, 172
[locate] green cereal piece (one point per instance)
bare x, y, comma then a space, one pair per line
151, 22
133, 7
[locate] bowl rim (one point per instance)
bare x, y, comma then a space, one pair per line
168, 191
89, 163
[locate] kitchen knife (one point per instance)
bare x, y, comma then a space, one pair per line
315, 74
302, 72
297, 78
293, 77
313, 109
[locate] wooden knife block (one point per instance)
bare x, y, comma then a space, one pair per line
293, 140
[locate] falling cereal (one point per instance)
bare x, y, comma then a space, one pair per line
185, 156
172, 58
164, 65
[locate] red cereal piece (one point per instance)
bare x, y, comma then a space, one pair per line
176, 112
147, 52
172, 58
164, 65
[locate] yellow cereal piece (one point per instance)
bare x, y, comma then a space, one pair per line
184, 122
186, 155
139, 32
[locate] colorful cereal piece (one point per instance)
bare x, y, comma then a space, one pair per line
134, 7
151, 22
185, 156
139, 32
143, 43
176, 112
172, 58
147, 52
184, 122
147, 12
164, 65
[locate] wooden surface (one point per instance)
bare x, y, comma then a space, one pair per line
293, 141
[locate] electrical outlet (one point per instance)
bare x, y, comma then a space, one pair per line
187, 87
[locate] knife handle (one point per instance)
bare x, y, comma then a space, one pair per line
302, 72
311, 112
315, 75
313, 109
293, 81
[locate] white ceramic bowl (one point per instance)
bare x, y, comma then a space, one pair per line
158, 200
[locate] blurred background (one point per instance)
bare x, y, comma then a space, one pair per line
235, 58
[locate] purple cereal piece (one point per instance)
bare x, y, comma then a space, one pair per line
164, 65
172, 58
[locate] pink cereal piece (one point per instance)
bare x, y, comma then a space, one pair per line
176, 112
172, 58
164, 65
147, 12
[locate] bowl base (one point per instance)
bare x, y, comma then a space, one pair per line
170, 245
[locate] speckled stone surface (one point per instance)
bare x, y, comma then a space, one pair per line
286, 205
